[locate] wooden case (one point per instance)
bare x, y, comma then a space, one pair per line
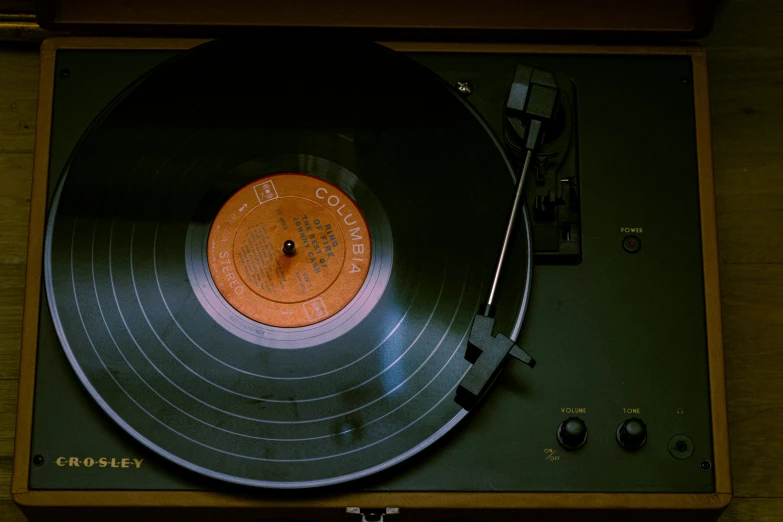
93, 505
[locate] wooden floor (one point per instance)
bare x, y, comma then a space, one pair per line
746, 81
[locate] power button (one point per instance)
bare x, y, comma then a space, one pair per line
632, 244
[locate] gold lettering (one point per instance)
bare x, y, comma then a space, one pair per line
573, 410
88, 462
632, 410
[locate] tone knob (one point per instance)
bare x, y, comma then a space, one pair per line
572, 433
632, 434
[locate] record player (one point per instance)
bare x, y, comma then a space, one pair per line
294, 274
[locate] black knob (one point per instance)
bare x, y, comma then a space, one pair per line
632, 434
572, 433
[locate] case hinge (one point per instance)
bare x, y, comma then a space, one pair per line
355, 514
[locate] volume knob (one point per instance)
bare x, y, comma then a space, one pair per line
572, 433
632, 434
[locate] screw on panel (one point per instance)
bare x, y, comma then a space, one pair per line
464, 87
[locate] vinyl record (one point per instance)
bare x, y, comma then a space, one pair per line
192, 328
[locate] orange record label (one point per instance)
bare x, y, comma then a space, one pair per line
324, 272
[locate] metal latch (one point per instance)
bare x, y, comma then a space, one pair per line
355, 514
